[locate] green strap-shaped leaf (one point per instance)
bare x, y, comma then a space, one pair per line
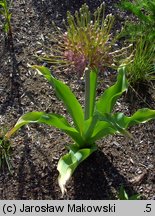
114, 124
95, 129
68, 163
65, 94
107, 101
102, 129
89, 126
118, 123
141, 116
54, 120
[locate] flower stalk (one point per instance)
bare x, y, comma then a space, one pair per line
90, 92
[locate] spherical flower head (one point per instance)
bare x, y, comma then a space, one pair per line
87, 41
78, 60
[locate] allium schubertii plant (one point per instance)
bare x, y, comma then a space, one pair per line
88, 47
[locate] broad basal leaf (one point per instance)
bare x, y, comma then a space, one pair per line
107, 101
54, 120
65, 94
141, 116
119, 122
68, 163
102, 129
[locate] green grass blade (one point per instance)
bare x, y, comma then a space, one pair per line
135, 9
65, 94
2, 4
122, 195
135, 197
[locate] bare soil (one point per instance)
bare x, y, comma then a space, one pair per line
37, 148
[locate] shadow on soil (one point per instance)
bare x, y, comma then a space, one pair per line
97, 178
12, 88
32, 183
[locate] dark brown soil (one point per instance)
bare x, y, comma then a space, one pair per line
37, 148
